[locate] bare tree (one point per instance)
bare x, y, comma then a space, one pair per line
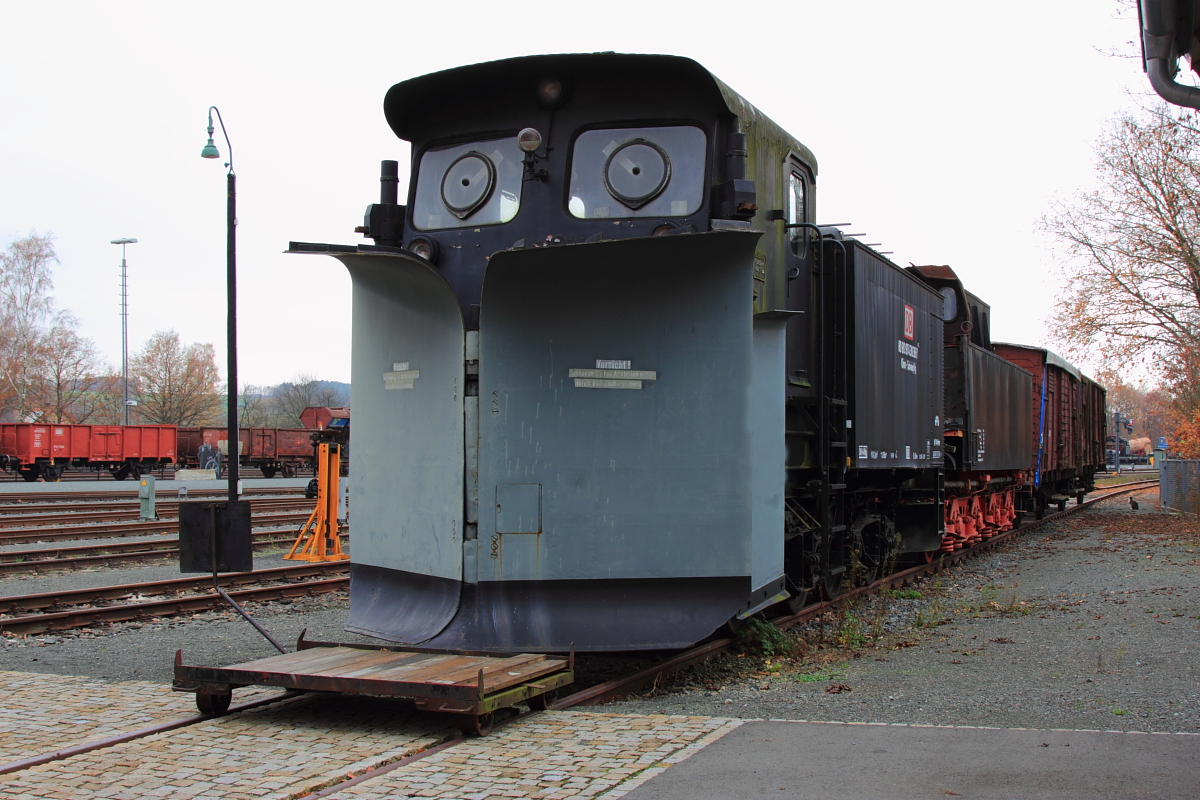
294, 396
257, 408
175, 385
331, 395
26, 312
72, 371
1132, 254
107, 398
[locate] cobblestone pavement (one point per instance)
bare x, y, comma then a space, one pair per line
289, 749
558, 754
277, 751
40, 713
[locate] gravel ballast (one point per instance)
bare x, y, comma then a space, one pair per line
1089, 622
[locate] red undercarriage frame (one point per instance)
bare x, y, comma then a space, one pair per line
979, 515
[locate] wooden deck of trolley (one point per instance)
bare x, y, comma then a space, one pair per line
456, 681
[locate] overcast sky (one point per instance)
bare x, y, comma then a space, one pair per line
942, 129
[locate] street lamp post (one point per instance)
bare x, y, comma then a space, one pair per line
124, 327
210, 151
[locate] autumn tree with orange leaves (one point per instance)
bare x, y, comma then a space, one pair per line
173, 384
1131, 256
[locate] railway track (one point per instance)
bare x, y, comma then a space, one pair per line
91, 512
130, 494
58, 558
596, 694
116, 530
622, 687
60, 527
49, 613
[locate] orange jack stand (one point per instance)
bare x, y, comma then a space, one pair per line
320, 538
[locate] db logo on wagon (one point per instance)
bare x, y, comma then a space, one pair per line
909, 322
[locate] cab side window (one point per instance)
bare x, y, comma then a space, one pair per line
795, 209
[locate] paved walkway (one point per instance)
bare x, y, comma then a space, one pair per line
303, 745
823, 761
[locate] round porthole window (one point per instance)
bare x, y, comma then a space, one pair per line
468, 183
637, 172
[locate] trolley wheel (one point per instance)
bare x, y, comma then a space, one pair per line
1079, 498
30, 475
213, 703
543, 701
472, 725
1062, 505
122, 472
268, 472
52, 474
289, 470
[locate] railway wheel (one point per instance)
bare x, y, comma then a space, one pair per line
121, 473
472, 725
213, 703
833, 585
289, 470
269, 472
52, 474
1062, 505
30, 475
543, 701
798, 600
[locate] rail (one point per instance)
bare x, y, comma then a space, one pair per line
123, 612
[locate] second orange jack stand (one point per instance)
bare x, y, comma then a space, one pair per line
320, 538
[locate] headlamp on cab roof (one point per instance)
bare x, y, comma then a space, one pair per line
550, 92
529, 140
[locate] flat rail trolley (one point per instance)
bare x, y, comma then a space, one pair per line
470, 684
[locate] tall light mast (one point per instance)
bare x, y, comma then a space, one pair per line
124, 328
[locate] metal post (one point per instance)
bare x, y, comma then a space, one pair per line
124, 328
124, 338
234, 454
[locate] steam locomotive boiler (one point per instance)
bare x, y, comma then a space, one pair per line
614, 387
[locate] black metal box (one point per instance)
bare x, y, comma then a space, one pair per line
988, 399
223, 526
896, 378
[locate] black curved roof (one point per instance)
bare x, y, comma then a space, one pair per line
419, 108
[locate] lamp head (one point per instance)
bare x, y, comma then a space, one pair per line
210, 150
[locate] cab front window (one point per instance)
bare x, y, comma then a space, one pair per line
638, 172
468, 185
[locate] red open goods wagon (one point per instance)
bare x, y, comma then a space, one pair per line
39, 450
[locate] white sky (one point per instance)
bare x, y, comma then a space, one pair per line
941, 130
